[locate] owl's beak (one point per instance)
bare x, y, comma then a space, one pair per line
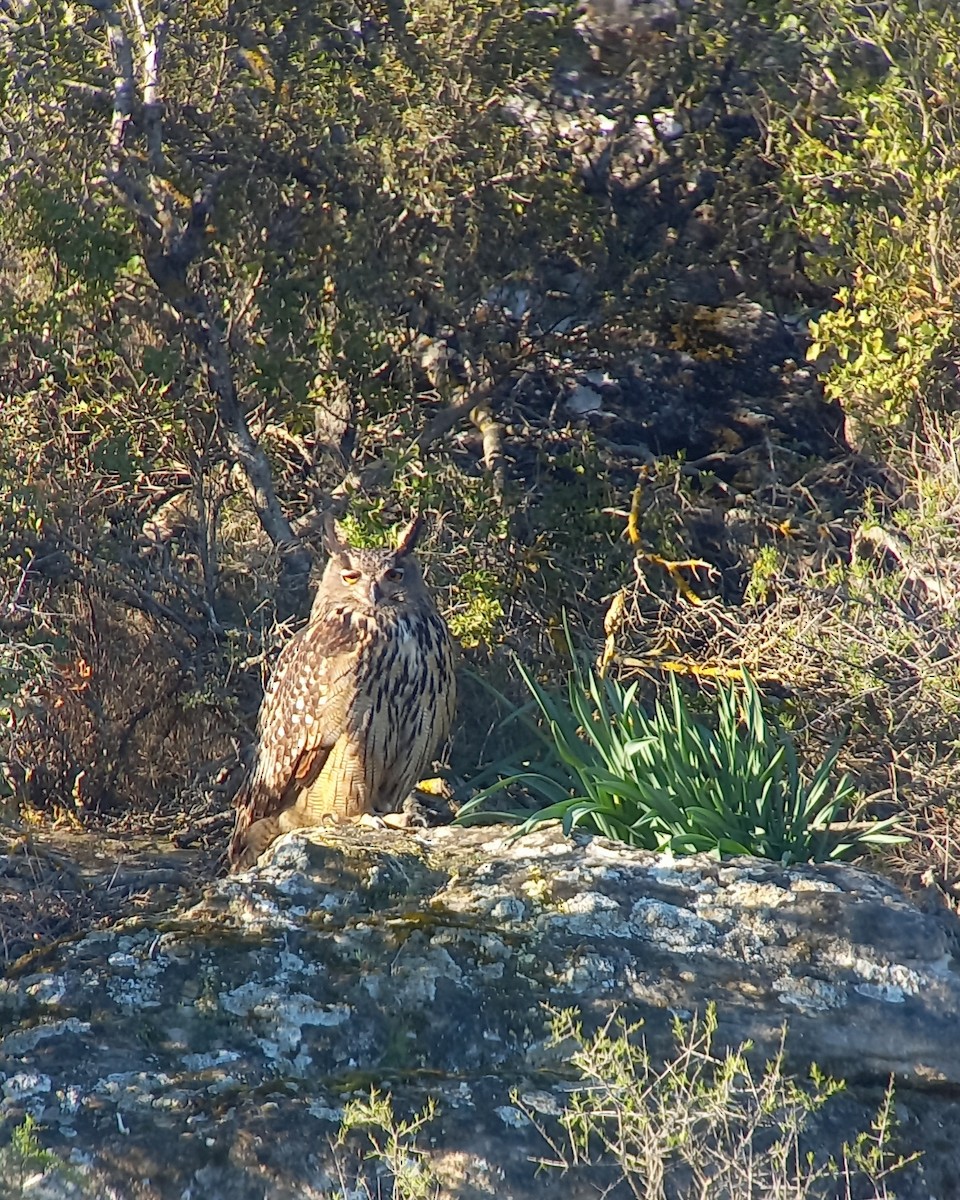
376, 593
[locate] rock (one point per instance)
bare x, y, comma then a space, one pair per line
208, 1052
583, 401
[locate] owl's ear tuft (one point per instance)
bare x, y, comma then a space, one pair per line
408, 538
331, 539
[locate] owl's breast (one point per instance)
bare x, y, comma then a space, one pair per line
404, 663
391, 654
403, 703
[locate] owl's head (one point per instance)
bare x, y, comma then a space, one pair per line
372, 580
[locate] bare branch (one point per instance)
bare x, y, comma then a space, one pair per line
380, 473
124, 87
132, 595
134, 7
492, 433
445, 420
88, 91
206, 333
151, 50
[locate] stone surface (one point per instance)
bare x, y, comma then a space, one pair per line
207, 1052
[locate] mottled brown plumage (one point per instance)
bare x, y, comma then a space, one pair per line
358, 704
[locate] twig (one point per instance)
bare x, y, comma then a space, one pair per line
14, 603
134, 596
201, 828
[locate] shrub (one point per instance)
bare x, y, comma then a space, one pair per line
872, 171
393, 1145
706, 1123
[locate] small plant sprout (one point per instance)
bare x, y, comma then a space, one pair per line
393, 1142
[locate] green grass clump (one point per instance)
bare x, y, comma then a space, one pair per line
674, 782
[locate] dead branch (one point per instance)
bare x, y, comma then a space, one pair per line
445, 420
492, 433
875, 541
131, 595
379, 473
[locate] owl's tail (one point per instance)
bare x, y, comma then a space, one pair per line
243, 803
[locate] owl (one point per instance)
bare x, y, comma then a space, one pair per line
359, 701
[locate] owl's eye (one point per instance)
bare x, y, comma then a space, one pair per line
350, 576
395, 574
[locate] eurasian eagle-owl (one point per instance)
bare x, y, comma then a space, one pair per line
359, 701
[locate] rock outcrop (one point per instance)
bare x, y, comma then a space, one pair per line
207, 1052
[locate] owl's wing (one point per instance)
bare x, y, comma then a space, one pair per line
301, 717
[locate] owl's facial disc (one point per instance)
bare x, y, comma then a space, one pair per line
387, 585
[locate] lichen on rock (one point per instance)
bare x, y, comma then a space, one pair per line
426, 965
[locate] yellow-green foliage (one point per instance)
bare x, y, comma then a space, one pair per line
873, 171
762, 574
705, 1117
364, 527
393, 1143
477, 610
23, 1162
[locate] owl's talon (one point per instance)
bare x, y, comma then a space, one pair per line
381, 821
400, 820
370, 821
